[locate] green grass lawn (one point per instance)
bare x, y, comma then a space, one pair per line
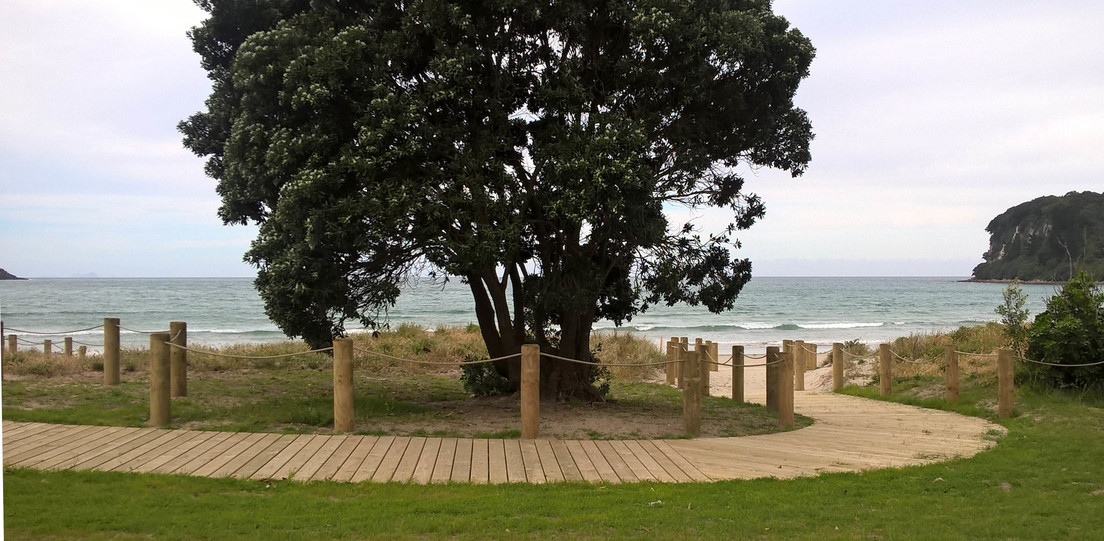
1044, 480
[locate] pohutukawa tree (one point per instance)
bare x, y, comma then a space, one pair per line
527, 149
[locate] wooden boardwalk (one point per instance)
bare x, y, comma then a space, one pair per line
849, 434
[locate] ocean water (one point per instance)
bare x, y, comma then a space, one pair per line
222, 311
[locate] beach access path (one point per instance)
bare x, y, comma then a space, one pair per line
849, 434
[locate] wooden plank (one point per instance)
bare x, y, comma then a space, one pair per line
122, 454
405, 470
638, 469
14, 431
548, 461
850, 434
169, 455
269, 469
337, 459
33, 437
125, 439
263, 456
620, 467
462, 461
654, 468
373, 460
318, 457
213, 453
423, 470
673, 471
566, 463
391, 460
294, 465
45, 441
586, 467
496, 462
71, 448
237, 455
106, 439
206, 464
515, 464
600, 464
442, 471
247, 455
137, 462
480, 462
680, 461
215, 439
534, 473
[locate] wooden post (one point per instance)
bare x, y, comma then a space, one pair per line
530, 391
737, 373
343, 384
1005, 383
82, 352
671, 369
786, 391
13, 343
774, 379
68, 346
951, 357
178, 357
714, 356
885, 370
676, 367
691, 394
811, 357
111, 350
685, 350
702, 352
787, 349
837, 366
680, 355
799, 365
47, 347
160, 403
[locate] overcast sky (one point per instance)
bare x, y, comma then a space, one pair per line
931, 118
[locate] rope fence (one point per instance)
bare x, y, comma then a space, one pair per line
912, 361
690, 367
50, 333
128, 329
245, 357
435, 363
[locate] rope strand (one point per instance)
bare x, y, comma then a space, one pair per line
248, 357
21, 331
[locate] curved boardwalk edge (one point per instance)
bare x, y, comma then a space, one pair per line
850, 434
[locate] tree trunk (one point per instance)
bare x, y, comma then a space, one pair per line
500, 341
564, 380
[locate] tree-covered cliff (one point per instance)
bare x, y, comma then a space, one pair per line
1049, 238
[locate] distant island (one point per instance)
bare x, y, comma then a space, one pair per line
5, 275
1046, 240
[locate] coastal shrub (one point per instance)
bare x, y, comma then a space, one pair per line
483, 380
1069, 332
1014, 315
978, 338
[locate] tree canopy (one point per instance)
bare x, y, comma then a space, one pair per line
526, 148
